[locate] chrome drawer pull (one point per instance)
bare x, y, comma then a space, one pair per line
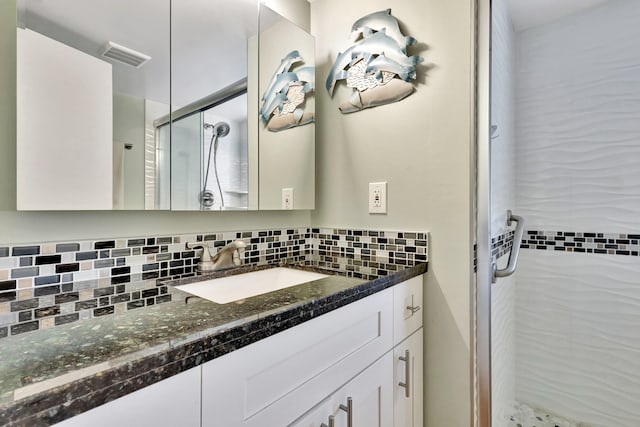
413, 309
332, 422
349, 410
407, 373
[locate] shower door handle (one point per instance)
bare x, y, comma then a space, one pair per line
515, 249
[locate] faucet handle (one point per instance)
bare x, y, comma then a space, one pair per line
237, 260
206, 253
230, 253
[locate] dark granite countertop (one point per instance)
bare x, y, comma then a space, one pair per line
49, 375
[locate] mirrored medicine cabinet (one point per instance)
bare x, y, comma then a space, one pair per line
155, 105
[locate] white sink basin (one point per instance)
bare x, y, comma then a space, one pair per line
233, 288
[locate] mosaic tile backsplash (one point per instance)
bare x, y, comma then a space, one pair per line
51, 284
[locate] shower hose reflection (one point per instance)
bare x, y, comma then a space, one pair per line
220, 130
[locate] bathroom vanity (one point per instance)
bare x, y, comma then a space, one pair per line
338, 351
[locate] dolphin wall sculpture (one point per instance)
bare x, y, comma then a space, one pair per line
286, 92
379, 51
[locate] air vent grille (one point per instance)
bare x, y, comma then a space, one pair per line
125, 55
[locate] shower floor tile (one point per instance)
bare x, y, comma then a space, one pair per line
525, 416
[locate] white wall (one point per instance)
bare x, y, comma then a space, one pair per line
73, 148
578, 338
502, 199
422, 147
578, 103
296, 11
7, 107
128, 128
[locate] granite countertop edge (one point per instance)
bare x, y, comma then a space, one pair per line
73, 398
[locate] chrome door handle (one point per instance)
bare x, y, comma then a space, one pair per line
407, 373
515, 249
332, 422
349, 410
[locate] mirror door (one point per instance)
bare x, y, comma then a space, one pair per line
92, 77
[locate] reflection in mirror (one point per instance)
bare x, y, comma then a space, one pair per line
209, 165
210, 97
286, 129
92, 78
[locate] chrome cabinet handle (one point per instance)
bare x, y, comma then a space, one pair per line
413, 309
332, 422
349, 410
407, 373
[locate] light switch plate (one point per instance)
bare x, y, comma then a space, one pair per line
287, 198
378, 197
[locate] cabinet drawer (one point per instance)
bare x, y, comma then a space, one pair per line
407, 308
277, 379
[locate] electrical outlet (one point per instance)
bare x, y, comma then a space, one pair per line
287, 198
378, 197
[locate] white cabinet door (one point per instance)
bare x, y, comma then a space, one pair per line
408, 369
168, 403
372, 396
371, 400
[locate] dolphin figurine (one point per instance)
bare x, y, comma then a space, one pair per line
379, 43
281, 83
376, 21
383, 63
376, 44
337, 72
277, 102
306, 74
286, 63
283, 80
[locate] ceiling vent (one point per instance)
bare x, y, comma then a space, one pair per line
125, 55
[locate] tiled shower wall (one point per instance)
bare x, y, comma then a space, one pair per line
578, 146
50, 284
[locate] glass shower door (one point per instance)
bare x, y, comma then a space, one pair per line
564, 149
186, 162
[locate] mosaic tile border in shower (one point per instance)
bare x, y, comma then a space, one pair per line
51, 284
582, 242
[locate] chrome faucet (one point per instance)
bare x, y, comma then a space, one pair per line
227, 257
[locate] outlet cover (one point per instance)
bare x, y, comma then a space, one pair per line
287, 198
378, 197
